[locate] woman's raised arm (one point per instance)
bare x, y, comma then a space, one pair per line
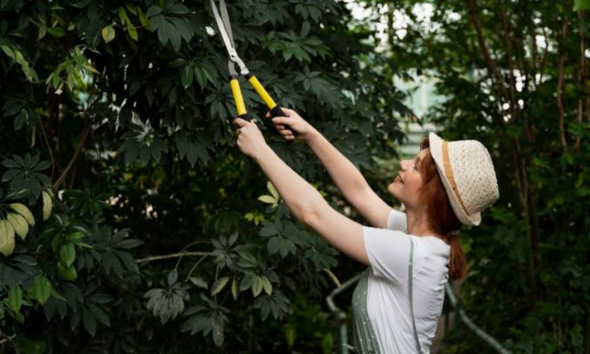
345, 175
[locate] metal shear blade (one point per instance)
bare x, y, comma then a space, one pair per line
224, 26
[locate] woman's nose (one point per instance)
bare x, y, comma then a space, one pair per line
403, 164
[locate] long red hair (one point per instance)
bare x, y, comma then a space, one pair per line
435, 202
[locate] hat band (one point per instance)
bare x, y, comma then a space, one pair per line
449, 173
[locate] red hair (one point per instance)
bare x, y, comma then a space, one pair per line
435, 202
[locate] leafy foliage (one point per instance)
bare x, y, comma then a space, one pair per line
147, 232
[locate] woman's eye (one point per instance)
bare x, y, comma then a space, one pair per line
415, 167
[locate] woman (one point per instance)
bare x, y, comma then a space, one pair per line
410, 256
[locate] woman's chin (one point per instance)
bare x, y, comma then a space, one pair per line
392, 189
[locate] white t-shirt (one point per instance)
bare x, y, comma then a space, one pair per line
388, 303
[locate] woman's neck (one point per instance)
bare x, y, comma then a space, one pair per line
418, 225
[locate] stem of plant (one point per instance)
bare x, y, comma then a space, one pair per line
195, 266
185, 247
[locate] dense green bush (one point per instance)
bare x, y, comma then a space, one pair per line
116, 135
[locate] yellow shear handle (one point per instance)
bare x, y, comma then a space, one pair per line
238, 98
262, 92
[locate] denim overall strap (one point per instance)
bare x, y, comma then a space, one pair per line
410, 276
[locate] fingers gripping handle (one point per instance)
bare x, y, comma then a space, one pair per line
278, 112
239, 99
275, 110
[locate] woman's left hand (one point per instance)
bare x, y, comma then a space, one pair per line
250, 138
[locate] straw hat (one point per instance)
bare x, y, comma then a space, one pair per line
468, 174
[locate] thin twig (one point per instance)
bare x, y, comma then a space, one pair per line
581, 74
508, 44
48, 146
543, 62
560, 85
196, 265
87, 126
168, 256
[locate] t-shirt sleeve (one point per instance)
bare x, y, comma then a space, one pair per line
388, 252
397, 221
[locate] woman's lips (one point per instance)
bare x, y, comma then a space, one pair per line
399, 179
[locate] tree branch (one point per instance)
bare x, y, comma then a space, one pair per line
581, 75
508, 44
168, 256
560, 85
474, 15
543, 63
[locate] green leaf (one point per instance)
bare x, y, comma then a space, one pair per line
108, 34
268, 199
179, 9
183, 28
123, 15
266, 285
187, 77
269, 229
67, 253
218, 285
273, 245
67, 272
19, 224
234, 289
247, 282
153, 11
24, 211
143, 19
257, 286
89, 321
15, 298
132, 32
172, 277
41, 289
199, 282
272, 190
328, 343
581, 5
47, 205
6, 238
200, 76
57, 31
218, 326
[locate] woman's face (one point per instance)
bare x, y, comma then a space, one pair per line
408, 181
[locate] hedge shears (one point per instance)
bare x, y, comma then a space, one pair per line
224, 25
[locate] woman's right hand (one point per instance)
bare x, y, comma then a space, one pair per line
293, 121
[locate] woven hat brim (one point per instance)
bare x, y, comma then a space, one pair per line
437, 155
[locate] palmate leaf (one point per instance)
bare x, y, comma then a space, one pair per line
142, 143
166, 304
277, 304
270, 228
24, 174
170, 26
194, 147
209, 317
